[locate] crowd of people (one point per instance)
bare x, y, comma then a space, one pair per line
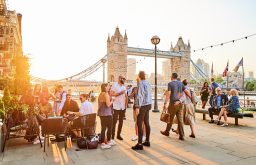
179, 102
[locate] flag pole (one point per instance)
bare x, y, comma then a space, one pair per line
227, 76
243, 81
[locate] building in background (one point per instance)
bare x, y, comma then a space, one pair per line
166, 69
203, 66
131, 69
10, 39
251, 75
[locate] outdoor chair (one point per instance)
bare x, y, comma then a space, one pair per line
54, 126
85, 123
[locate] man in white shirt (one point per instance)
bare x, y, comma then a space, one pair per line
120, 102
85, 109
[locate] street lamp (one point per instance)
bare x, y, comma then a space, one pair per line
103, 60
155, 40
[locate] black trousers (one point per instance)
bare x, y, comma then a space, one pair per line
106, 123
212, 111
118, 114
143, 116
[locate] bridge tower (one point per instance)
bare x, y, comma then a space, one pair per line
181, 65
117, 55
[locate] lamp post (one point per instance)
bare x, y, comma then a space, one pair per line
155, 40
103, 60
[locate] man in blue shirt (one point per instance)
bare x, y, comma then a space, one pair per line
175, 92
214, 85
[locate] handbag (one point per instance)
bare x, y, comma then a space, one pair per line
91, 144
81, 143
87, 143
165, 117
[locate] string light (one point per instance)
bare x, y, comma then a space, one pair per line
224, 43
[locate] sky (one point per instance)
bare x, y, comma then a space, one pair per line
64, 37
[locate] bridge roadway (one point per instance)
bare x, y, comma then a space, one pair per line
232, 145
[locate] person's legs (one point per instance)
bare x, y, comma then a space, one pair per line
203, 104
120, 123
221, 113
225, 116
103, 128
140, 119
109, 127
115, 116
172, 112
179, 114
146, 122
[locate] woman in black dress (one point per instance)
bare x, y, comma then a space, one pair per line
204, 94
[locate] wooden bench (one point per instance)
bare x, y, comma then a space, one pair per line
233, 115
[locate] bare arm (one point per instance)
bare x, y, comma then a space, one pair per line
108, 102
126, 100
187, 93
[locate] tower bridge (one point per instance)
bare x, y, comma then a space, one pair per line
116, 59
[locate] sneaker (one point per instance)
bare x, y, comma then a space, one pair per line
211, 121
224, 125
138, 147
105, 146
135, 138
143, 138
146, 144
37, 141
164, 133
111, 143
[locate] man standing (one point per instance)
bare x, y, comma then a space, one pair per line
144, 101
214, 85
120, 102
174, 93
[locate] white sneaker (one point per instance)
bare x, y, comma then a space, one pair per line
135, 138
111, 142
224, 125
143, 138
37, 141
105, 146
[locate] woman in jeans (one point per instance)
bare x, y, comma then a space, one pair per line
105, 113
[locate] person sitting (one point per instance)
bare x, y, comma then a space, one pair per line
217, 102
69, 105
86, 108
233, 107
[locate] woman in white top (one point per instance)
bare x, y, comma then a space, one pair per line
189, 110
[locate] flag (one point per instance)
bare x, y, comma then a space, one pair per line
241, 63
212, 70
225, 71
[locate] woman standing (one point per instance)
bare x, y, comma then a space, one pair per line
189, 110
204, 94
105, 113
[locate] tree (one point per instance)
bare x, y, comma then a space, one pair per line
218, 79
22, 77
250, 85
192, 81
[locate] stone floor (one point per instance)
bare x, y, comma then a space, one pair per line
213, 145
